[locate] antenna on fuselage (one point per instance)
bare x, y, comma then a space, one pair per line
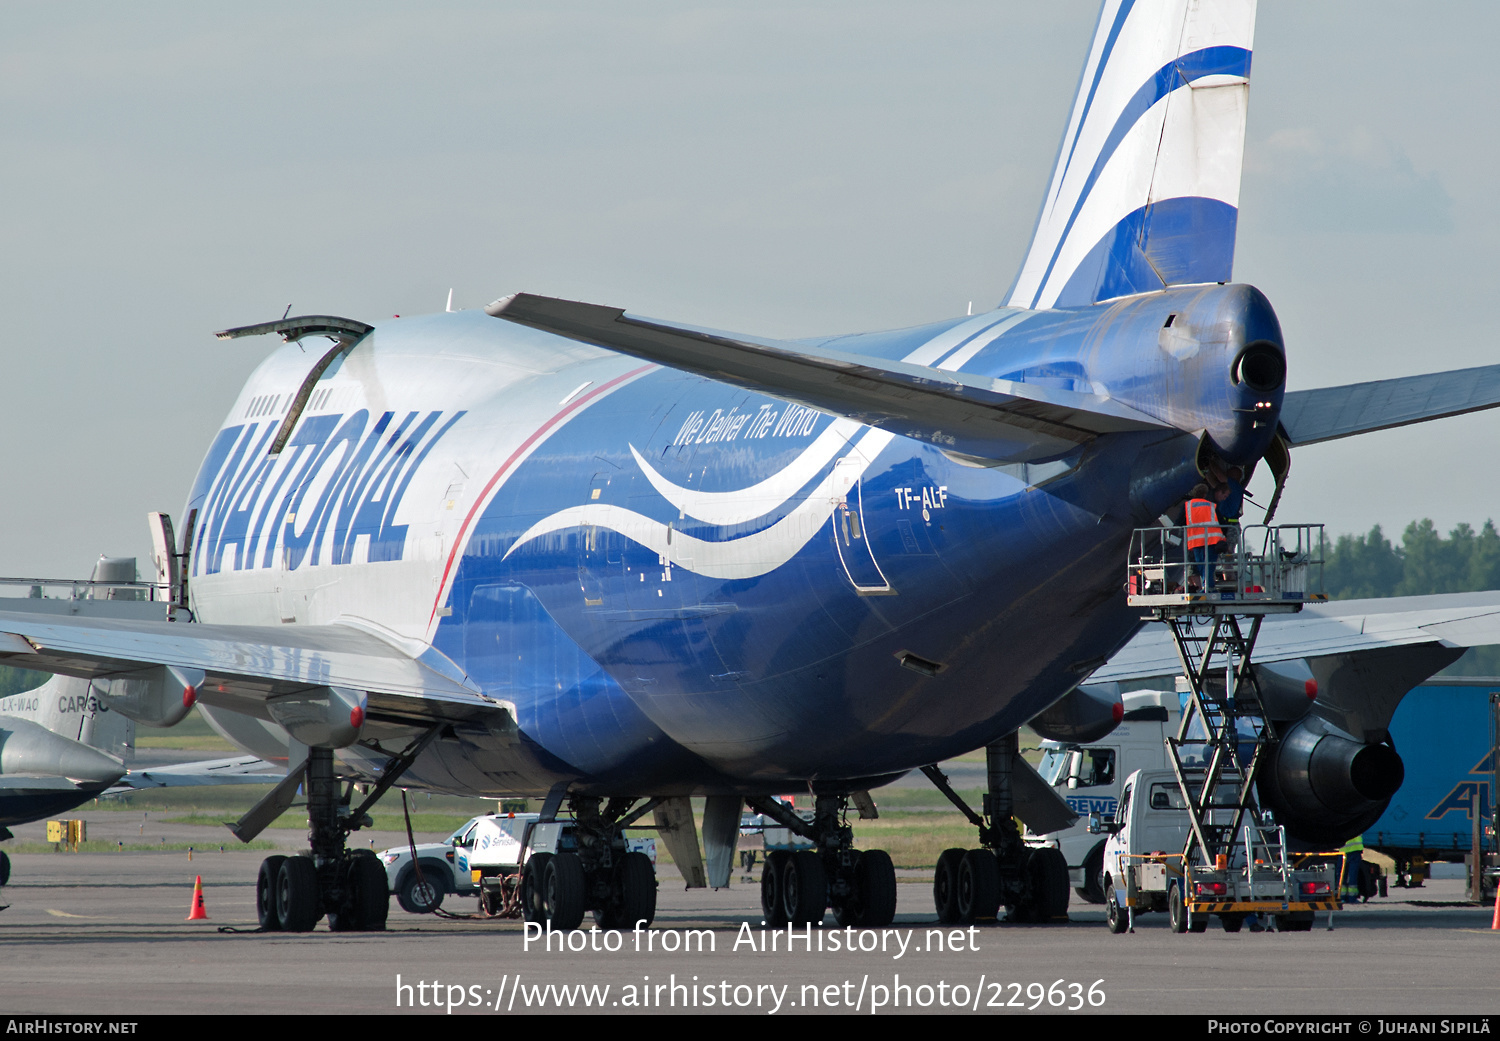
971, 307
450, 301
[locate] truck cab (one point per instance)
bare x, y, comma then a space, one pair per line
1088, 777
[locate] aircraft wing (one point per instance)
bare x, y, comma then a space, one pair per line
1337, 627
973, 415
241, 769
1327, 413
245, 666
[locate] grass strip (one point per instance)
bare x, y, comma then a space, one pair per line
102, 846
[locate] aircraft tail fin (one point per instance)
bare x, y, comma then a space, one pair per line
1145, 193
69, 707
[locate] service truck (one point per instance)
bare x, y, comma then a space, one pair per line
1444, 729
1088, 776
485, 858
1146, 870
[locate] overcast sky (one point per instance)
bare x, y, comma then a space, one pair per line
784, 169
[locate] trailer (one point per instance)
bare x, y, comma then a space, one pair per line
1446, 730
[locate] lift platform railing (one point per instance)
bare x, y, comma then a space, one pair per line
81, 589
1256, 564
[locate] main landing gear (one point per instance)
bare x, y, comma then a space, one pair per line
347, 886
293, 893
972, 885
798, 886
599, 875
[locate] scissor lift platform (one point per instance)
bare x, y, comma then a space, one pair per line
1214, 603
1267, 569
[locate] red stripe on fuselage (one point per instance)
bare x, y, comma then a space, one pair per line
545, 428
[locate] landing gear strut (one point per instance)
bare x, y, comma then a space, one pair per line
798, 886
972, 885
348, 886
600, 875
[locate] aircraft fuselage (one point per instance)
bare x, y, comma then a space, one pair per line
681, 585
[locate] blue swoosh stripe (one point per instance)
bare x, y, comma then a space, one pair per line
1109, 46
1186, 239
1210, 61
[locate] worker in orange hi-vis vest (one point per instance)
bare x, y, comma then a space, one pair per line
1204, 536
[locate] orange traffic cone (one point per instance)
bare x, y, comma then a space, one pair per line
199, 912
1495, 921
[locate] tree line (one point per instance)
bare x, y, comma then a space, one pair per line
1357, 567
1425, 562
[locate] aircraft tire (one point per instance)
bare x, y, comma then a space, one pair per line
1176, 910
1093, 867
875, 883
297, 895
945, 885
804, 888
632, 896
638, 890
371, 897
978, 886
265, 894
419, 895
1047, 871
846, 910
772, 907
533, 881
563, 892
4, 868
1114, 915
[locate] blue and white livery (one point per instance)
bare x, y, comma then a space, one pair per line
562, 550
1146, 190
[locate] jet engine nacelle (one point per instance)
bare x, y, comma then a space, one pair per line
30, 749
1084, 714
1327, 787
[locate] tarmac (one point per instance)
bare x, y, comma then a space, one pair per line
106, 933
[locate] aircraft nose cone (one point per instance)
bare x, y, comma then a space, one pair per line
31, 750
